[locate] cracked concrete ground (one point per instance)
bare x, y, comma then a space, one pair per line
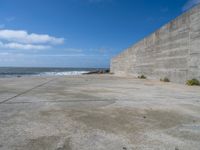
97, 112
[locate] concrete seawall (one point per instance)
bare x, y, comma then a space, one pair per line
173, 51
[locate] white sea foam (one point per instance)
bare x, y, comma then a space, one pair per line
67, 73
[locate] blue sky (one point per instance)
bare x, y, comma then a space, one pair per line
78, 33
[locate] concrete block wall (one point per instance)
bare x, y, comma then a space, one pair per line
173, 51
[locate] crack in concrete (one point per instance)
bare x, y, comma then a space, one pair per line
67, 101
22, 93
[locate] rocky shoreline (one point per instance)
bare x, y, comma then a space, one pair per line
101, 71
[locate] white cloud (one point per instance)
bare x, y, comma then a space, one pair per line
21, 36
21, 39
190, 3
23, 46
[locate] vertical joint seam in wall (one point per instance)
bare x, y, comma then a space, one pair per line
189, 47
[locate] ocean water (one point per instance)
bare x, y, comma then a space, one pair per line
23, 71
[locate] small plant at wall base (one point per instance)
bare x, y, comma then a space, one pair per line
165, 80
142, 77
193, 82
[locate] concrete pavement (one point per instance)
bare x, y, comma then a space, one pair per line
97, 112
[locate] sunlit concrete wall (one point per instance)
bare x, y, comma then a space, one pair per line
173, 51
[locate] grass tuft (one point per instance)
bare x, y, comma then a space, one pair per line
193, 82
165, 80
142, 77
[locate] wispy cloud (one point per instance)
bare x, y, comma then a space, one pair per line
49, 55
73, 50
190, 4
10, 19
23, 46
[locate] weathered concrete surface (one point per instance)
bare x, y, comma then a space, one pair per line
98, 113
173, 51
